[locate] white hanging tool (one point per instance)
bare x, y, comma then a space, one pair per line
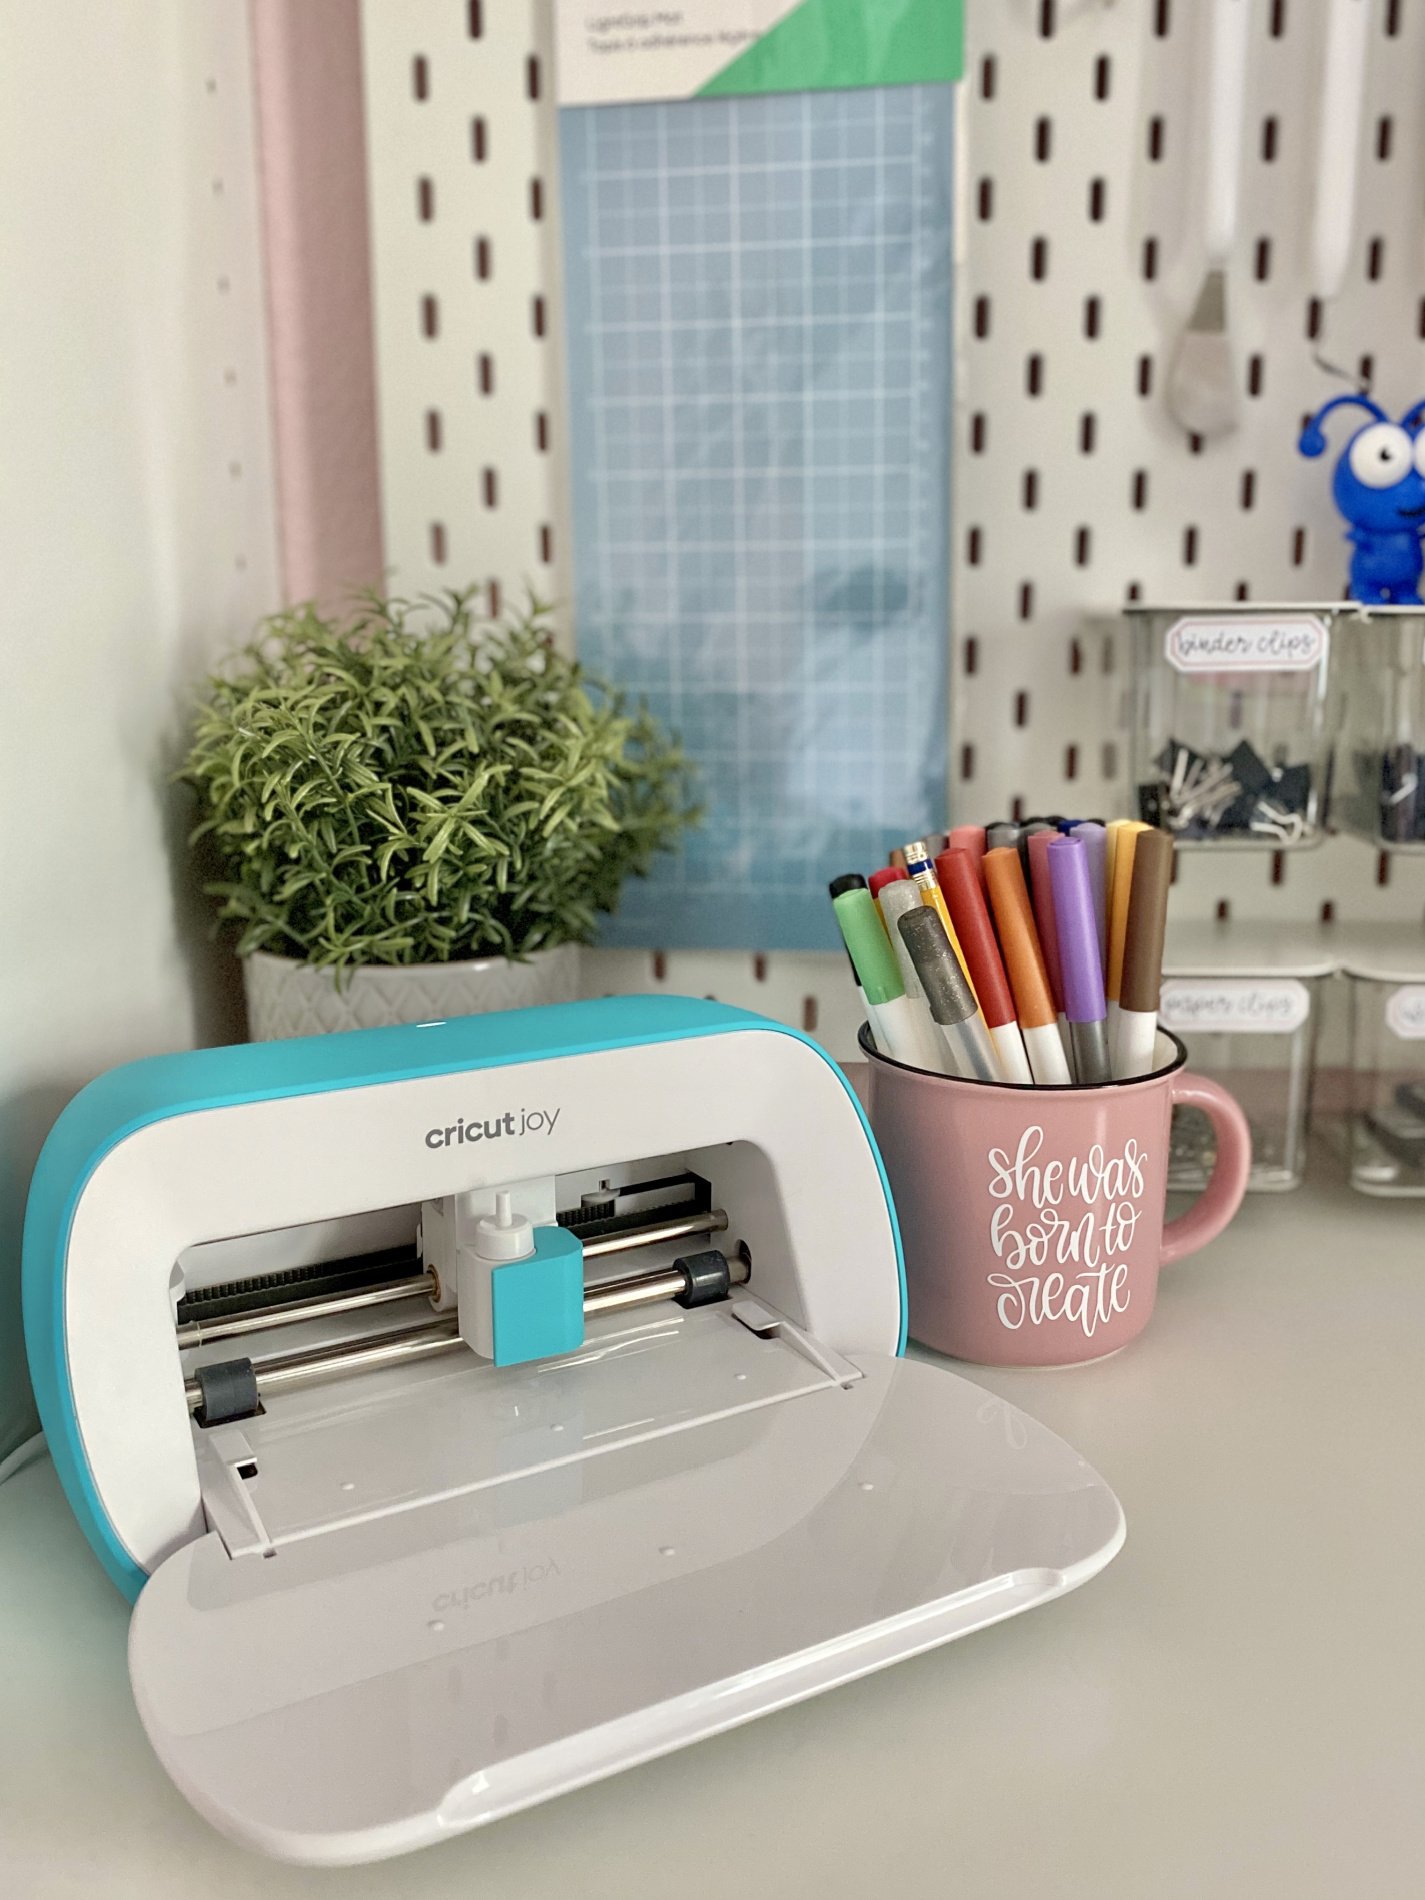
1202, 391
1343, 76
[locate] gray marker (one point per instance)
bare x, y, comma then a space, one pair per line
948, 993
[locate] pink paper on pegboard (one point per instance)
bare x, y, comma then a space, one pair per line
312, 162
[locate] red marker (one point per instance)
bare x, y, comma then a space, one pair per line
959, 875
878, 880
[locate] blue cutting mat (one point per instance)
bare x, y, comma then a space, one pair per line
759, 333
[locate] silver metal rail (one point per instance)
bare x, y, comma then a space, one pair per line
262, 1319
647, 1289
404, 1344
714, 1221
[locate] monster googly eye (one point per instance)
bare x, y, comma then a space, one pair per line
1419, 453
1381, 455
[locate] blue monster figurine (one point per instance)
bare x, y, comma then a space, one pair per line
1379, 486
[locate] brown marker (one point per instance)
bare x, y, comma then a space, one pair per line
1143, 935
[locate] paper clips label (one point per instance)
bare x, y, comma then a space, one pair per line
1259, 1006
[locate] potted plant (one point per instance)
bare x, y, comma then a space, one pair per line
411, 815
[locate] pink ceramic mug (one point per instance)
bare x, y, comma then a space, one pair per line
1032, 1218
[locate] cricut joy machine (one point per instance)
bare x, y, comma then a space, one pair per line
479, 1408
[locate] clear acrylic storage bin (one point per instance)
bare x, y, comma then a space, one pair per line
1378, 696
1231, 737
1246, 1003
1387, 1102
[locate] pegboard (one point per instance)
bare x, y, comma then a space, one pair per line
1078, 262
1081, 257
465, 267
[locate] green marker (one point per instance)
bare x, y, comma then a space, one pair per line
893, 1017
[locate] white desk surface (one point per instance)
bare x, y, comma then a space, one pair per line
1236, 1707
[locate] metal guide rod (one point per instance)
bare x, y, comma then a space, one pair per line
647, 1289
261, 1319
401, 1345
712, 1221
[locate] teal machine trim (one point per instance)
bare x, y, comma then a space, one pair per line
126, 1099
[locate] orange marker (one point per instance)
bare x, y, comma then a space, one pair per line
1024, 961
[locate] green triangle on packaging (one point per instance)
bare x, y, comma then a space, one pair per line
826, 44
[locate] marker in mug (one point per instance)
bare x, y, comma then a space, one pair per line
1123, 837
1143, 954
921, 869
922, 872
1024, 960
1041, 896
947, 990
1068, 865
1110, 835
959, 874
1110, 853
853, 881
1031, 828
1112, 831
888, 1009
896, 899
998, 836
1094, 838
969, 838
878, 880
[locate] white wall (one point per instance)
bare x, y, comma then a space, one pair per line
136, 537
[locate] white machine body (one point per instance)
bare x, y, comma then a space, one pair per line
395, 1604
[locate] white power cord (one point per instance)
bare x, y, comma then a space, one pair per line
21, 1456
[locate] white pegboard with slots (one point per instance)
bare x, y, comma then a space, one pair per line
461, 132
1079, 256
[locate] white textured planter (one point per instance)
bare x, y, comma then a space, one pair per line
287, 998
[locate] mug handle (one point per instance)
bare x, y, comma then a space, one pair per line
1227, 1183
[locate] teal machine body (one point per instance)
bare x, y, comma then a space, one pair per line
475, 1408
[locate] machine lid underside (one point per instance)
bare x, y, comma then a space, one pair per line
378, 1687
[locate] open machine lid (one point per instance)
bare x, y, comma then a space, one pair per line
385, 1683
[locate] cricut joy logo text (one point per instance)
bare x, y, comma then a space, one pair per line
504, 1583
519, 1121
1063, 1230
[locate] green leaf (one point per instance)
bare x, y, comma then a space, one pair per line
401, 783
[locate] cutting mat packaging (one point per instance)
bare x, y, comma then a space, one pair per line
758, 307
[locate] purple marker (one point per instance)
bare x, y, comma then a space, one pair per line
1070, 878
1095, 841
